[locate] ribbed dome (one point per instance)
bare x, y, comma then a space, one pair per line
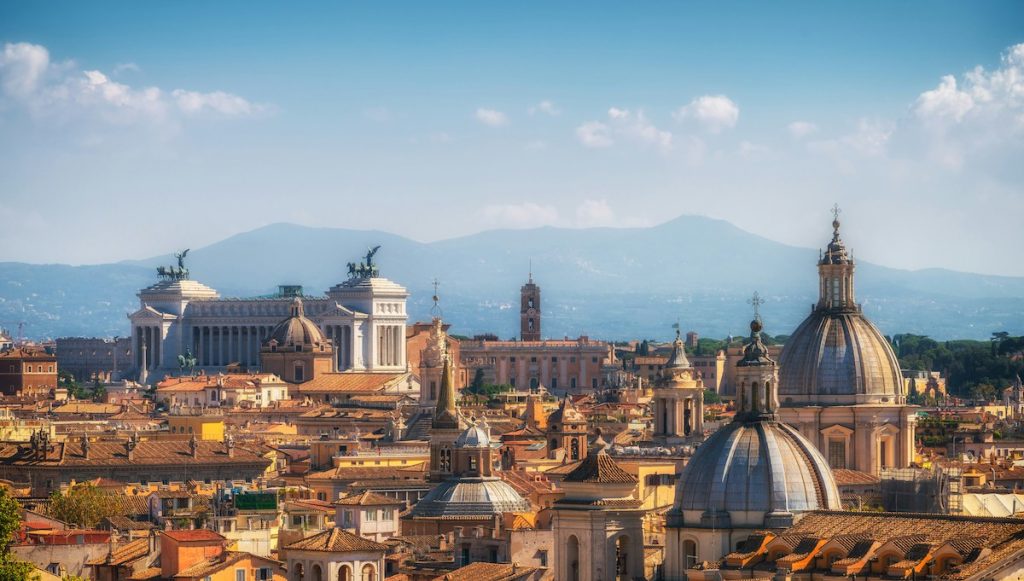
474, 436
470, 497
754, 474
296, 330
839, 358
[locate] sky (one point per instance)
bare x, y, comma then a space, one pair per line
130, 129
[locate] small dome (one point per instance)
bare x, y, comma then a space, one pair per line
296, 330
470, 497
755, 474
474, 436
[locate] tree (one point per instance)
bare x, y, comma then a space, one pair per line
99, 391
711, 396
83, 505
68, 382
478, 381
11, 568
983, 392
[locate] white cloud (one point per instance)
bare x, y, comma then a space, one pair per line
524, 215
121, 68
627, 125
713, 112
595, 213
491, 117
546, 107
801, 129
22, 67
594, 134
192, 102
63, 91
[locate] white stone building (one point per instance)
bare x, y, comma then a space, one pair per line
364, 317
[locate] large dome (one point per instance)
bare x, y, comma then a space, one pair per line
836, 356
754, 474
296, 330
470, 497
839, 358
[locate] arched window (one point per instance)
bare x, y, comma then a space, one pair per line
345, 573
369, 574
575, 447
572, 559
622, 558
300, 372
300, 573
689, 554
317, 573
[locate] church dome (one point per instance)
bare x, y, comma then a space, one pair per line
296, 330
567, 414
837, 356
464, 497
475, 436
754, 474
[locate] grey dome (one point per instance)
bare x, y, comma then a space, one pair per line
470, 497
754, 474
474, 436
837, 357
296, 330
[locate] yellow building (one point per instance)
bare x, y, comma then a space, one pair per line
209, 428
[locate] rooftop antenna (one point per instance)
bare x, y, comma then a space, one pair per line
531, 270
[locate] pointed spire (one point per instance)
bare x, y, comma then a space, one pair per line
677, 359
446, 414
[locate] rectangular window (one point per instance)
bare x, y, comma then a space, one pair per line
512, 359
533, 359
369, 515
296, 520
387, 514
554, 359
572, 382
542, 556
836, 453
239, 574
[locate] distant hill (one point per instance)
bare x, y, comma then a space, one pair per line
605, 282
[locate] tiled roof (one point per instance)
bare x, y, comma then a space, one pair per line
146, 574
489, 572
187, 536
366, 383
124, 553
226, 559
146, 453
226, 380
368, 499
847, 477
599, 468
336, 540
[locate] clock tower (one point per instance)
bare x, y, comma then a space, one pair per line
529, 311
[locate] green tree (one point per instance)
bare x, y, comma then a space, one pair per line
983, 392
83, 505
711, 396
11, 568
68, 382
478, 381
99, 391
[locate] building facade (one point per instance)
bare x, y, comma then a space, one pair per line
88, 357
363, 317
27, 372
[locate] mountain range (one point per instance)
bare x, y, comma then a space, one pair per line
611, 283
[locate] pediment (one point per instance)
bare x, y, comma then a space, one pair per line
148, 313
836, 429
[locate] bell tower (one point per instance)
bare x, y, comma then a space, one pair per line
529, 311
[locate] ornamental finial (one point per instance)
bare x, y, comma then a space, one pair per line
435, 310
835, 217
756, 301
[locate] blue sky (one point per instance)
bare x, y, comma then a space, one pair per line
129, 129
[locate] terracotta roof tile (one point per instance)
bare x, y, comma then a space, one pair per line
368, 499
366, 383
599, 468
336, 540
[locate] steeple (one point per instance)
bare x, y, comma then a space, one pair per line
446, 415
677, 359
835, 272
757, 375
529, 310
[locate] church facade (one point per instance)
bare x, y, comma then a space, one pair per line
363, 317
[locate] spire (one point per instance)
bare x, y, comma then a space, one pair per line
446, 415
677, 359
530, 281
435, 310
835, 253
835, 272
757, 375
